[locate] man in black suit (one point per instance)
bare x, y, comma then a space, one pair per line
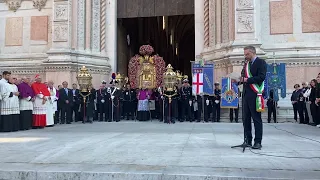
66, 101
75, 102
258, 69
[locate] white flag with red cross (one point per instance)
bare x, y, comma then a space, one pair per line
197, 83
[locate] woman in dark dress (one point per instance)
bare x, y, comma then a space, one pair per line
297, 102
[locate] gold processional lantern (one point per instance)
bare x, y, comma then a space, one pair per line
179, 76
121, 80
169, 79
84, 80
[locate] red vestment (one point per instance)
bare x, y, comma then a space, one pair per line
39, 108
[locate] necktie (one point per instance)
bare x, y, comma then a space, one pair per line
66, 90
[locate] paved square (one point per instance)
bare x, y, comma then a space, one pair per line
153, 150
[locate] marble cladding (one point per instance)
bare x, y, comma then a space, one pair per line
297, 75
310, 16
14, 31
281, 17
39, 28
199, 26
280, 42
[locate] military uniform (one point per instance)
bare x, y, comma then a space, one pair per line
186, 102
129, 99
115, 101
103, 104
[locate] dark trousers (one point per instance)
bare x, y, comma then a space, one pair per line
66, 113
272, 110
315, 111
128, 109
57, 115
298, 109
236, 113
116, 110
103, 110
185, 110
75, 110
305, 112
251, 112
207, 111
216, 112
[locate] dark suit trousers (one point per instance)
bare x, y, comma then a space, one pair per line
75, 110
66, 114
251, 112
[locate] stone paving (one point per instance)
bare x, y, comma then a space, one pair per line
157, 151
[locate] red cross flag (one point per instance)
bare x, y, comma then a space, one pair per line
197, 83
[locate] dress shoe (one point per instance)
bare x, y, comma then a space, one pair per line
257, 146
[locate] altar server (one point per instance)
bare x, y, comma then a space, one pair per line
9, 104
39, 105
26, 103
52, 104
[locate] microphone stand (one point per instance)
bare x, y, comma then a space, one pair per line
245, 143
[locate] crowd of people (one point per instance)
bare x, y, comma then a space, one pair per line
27, 104
306, 102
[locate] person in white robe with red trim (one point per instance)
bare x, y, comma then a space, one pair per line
39, 105
9, 106
51, 104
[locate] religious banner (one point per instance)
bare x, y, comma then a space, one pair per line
276, 80
203, 77
229, 93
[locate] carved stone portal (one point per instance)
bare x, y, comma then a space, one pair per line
13, 5
39, 4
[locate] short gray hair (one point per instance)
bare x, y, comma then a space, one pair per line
251, 49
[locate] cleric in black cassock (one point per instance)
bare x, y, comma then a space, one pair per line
116, 95
129, 102
87, 107
171, 109
186, 101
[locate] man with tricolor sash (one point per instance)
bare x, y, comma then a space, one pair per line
254, 76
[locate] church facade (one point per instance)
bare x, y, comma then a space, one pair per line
55, 38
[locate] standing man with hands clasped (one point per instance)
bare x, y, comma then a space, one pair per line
255, 74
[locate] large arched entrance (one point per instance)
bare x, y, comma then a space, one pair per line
169, 29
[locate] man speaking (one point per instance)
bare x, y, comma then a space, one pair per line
254, 76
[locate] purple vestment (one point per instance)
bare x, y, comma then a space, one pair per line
143, 94
25, 90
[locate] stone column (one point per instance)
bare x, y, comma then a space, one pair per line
88, 25
247, 13
95, 35
111, 33
199, 26
81, 25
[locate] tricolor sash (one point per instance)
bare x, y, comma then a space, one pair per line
257, 89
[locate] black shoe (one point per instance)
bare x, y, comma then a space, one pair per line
257, 146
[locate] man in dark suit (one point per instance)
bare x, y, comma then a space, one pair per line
258, 69
75, 102
66, 101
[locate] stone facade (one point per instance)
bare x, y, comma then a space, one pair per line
50, 37
56, 37
282, 31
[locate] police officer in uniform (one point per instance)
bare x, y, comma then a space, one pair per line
129, 98
102, 102
272, 105
186, 101
216, 103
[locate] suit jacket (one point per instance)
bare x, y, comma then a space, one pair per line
75, 96
258, 70
63, 96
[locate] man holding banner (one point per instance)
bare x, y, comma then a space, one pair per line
255, 73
